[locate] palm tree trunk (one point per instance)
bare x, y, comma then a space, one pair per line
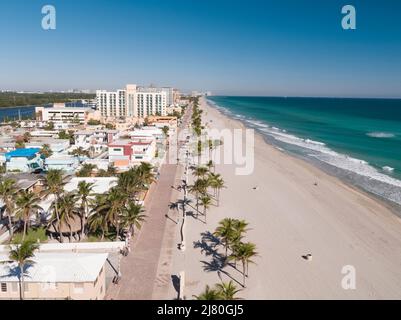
243, 273
58, 220
25, 225
10, 224
117, 231
83, 222
21, 283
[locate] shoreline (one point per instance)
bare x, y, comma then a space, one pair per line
394, 207
290, 217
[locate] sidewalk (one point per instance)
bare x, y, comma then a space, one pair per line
139, 268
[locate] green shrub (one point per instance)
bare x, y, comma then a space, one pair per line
32, 235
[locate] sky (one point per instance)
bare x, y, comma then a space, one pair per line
229, 47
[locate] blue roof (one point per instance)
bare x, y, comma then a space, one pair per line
26, 153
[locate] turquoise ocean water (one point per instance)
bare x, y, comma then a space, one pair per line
358, 140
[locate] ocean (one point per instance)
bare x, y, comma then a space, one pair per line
358, 140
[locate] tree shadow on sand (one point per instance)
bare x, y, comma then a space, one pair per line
209, 245
218, 265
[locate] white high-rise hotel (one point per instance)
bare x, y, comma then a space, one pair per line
134, 101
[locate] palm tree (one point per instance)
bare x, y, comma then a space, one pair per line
199, 150
209, 294
227, 291
217, 183
111, 170
67, 211
78, 152
27, 137
145, 172
22, 255
210, 145
132, 216
85, 192
86, 170
26, 202
225, 231
46, 151
19, 144
166, 130
210, 165
198, 188
130, 183
54, 185
250, 252
240, 228
113, 207
205, 202
244, 252
98, 219
8, 190
200, 172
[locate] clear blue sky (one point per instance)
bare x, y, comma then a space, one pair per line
269, 47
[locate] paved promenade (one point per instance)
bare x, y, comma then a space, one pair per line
139, 268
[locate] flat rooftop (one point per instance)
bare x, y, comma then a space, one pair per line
55, 267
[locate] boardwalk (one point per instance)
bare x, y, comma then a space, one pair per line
139, 269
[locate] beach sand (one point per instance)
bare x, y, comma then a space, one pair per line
290, 217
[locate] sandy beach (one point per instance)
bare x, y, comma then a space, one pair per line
291, 216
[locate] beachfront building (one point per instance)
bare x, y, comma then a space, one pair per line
124, 154
95, 141
148, 103
112, 104
24, 160
169, 95
147, 132
133, 102
161, 122
72, 276
87, 138
63, 114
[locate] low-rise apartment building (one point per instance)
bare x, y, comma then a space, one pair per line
72, 276
124, 154
63, 114
24, 160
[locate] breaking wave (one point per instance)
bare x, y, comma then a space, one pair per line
380, 134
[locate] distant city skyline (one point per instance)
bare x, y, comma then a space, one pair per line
262, 48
